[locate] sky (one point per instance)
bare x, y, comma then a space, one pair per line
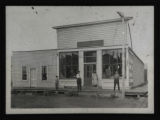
30, 28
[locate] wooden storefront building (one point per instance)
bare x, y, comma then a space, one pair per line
84, 47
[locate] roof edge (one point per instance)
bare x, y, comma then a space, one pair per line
91, 23
42, 50
34, 50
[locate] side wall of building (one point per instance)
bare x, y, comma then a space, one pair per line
111, 33
136, 70
34, 59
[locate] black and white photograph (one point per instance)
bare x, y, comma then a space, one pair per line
79, 59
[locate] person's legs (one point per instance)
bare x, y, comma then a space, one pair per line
80, 86
77, 86
56, 86
118, 86
114, 85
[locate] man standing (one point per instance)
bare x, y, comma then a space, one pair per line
78, 81
116, 80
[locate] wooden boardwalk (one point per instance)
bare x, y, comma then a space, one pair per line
139, 91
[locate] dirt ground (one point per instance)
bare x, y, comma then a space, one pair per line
63, 101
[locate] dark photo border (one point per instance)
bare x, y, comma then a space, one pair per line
112, 116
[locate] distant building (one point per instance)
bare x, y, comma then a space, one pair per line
87, 47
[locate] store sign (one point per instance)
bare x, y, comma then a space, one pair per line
90, 43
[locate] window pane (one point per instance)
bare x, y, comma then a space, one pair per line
44, 72
75, 58
63, 73
106, 71
24, 73
68, 72
89, 59
68, 59
120, 69
90, 53
119, 54
106, 58
90, 56
74, 70
62, 59
114, 69
114, 57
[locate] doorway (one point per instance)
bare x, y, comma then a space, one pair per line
88, 70
90, 59
33, 77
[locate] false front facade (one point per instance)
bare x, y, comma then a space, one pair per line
102, 47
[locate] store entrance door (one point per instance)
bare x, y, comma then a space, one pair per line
88, 70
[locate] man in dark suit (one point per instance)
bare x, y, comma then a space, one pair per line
79, 87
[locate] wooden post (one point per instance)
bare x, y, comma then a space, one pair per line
81, 66
123, 55
123, 62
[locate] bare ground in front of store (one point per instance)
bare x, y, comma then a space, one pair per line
64, 101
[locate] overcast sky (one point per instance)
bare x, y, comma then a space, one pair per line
30, 28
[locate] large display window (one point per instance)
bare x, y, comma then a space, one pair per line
111, 62
68, 64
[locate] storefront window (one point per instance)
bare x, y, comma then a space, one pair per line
111, 61
68, 64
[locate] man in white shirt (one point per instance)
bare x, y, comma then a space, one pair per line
79, 87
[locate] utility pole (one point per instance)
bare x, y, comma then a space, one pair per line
123, 55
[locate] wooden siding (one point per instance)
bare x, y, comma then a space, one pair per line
136, 70
34, 60
111, 33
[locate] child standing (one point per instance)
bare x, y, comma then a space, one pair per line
56, 83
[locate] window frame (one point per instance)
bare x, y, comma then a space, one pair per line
26, 73
84, 57
112, 64
42, 72
67, 65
